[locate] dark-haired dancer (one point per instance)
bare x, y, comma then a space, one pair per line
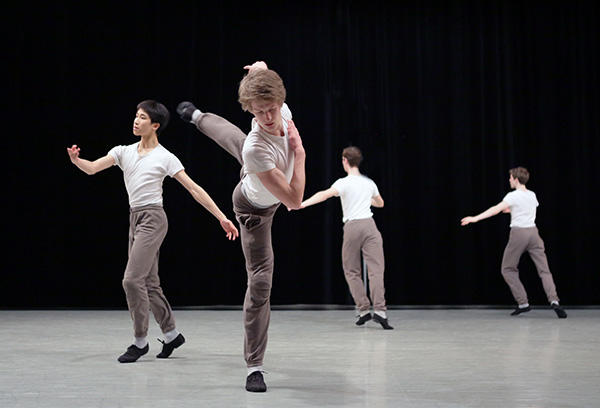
524, 236
272, 159
358, 193
145, 164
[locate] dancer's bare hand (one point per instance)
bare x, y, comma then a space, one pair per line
467, 220
294, 138
230, 229
256, 65
73, 152
295, 209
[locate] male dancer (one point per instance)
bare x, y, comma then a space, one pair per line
358, 193
272, 159
524, 236
145, 165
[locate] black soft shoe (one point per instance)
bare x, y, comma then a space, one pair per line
383, 322
520, 310
560, 312
133, 353
255, 382
363, 319
170, 346
186, 110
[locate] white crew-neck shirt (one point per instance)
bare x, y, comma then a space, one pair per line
356, 192
261, 152
523, 205
144, 175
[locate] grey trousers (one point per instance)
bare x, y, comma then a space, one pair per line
362, 236
519, 241
255, 236
147, 229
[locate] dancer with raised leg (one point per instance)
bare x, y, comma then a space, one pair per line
524, 237
272, 159
145, 164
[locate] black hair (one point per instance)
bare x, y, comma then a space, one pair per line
157, 111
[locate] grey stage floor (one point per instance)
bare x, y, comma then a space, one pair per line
434, 358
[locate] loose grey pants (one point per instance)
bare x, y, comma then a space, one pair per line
255, 236
147, 229
362, 236
519, 241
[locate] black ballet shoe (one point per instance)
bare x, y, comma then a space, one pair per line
255, 382
186, 110
383, 322
560, 312
133, 353
520, 310
363, 319
168, 348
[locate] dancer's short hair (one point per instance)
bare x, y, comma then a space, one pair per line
353, 155
157, 111
263, 84
520, 173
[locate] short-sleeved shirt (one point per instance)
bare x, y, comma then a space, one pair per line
356, 192
144, 175
523, 205
263, 151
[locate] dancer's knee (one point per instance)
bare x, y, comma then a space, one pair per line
260, 287
130, 285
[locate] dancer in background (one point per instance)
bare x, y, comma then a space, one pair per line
524, 236
358, 193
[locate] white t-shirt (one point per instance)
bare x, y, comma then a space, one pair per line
144, 175
356, 192
523, 205
263, 152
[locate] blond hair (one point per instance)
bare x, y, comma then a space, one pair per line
260, 84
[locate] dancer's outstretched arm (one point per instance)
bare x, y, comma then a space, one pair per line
89, 167
319, 197
502, 206
201, 196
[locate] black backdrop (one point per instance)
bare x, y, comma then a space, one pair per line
443, 98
